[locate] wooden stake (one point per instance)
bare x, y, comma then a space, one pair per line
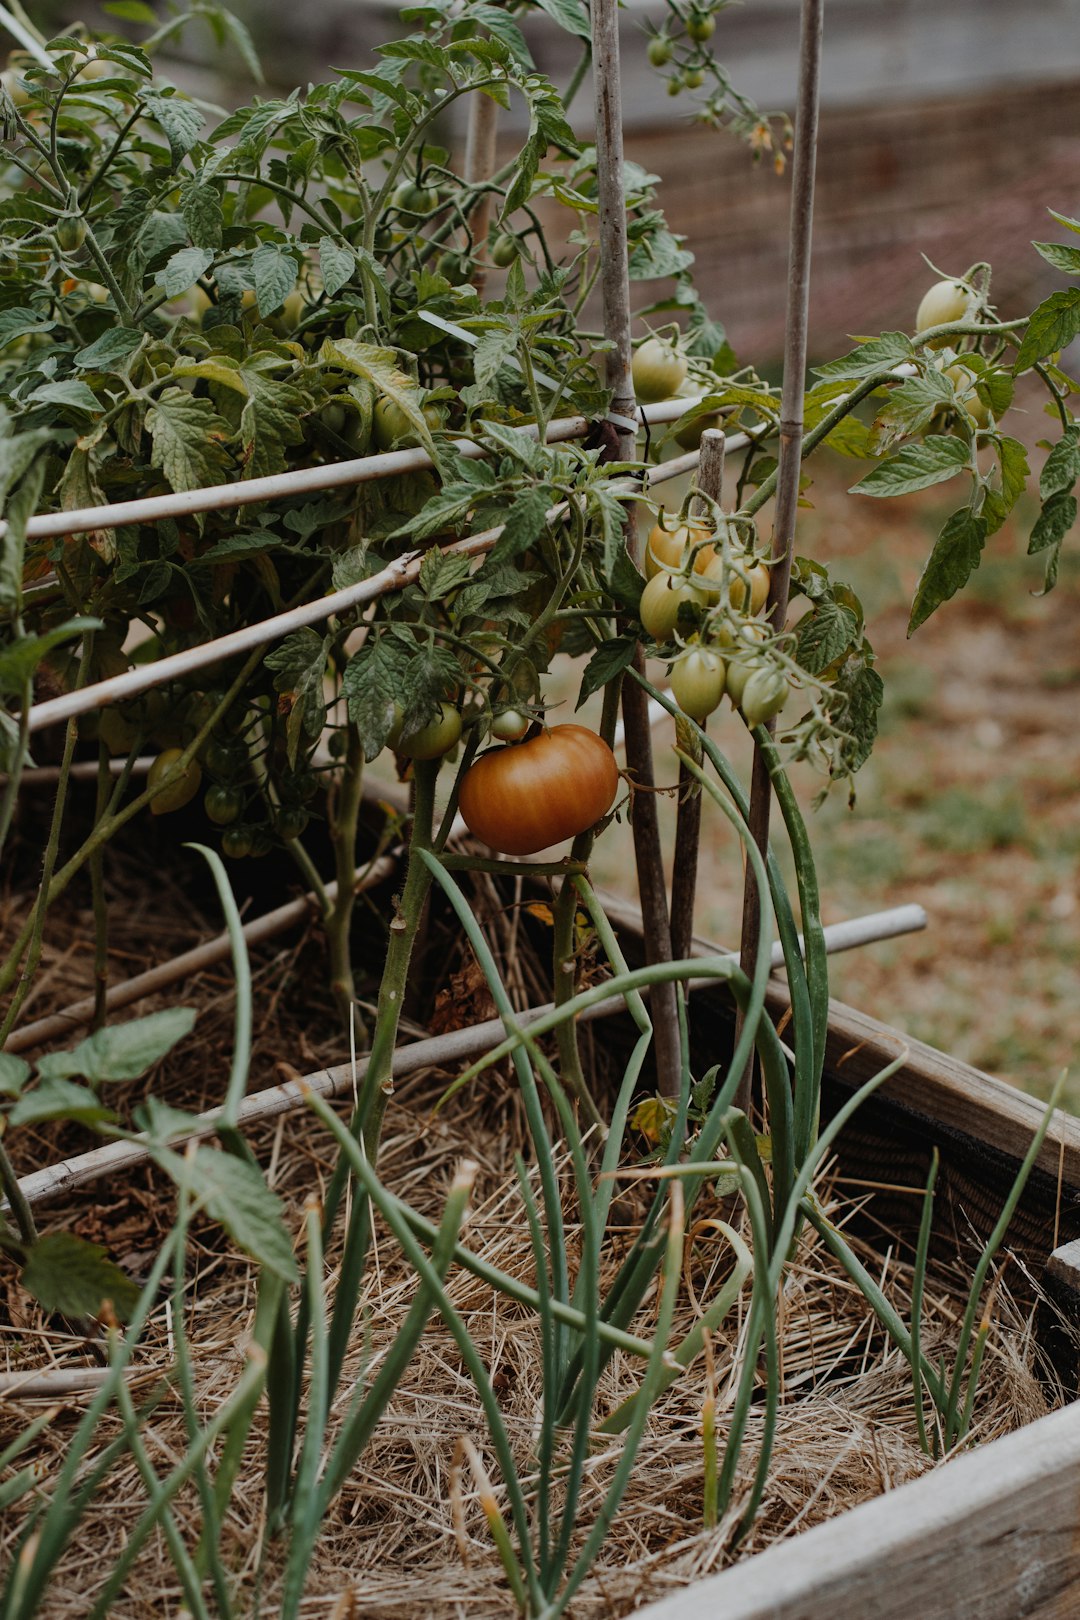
479, 167
615, 284
791, 435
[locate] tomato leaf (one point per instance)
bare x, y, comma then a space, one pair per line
65, 1273
955, 557
916, 466
60, 1099
179, 120
234, 1193
825, 634
184, 269
859, 682
14, 1073
274, 269
608, 661
185, 433
1052, 327
911, 407
1053, 523
524, 523
569, 14
428, 676
1060, 255
200, 204
110, 352
879, 354
371, 683
439, 574
299, 666
1062, 466
338, 263
122, 1051
20, 658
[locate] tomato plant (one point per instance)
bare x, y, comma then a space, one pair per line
524, 797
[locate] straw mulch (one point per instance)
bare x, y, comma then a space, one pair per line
395, 1545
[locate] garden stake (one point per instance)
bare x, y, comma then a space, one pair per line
791, 432
615, 283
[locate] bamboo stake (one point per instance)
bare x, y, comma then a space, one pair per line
60, 1024
791, 435
401, 572
479, 167
615, 284
434, 1052
688, 823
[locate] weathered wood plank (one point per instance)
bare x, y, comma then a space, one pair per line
994, 1535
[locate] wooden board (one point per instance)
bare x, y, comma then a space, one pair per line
994, 1535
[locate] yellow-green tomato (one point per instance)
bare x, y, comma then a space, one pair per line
976, 408
117, 732
659, 370
697, 682
765, 693
739, 670
178, 793
661, 600
436, 738
667, 547
748, 590
510, 726
393, 429
942, 304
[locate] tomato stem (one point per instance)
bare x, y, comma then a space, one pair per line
339, 918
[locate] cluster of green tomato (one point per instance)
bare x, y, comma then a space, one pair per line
689, 569
699, 25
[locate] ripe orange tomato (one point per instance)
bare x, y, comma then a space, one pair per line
526, 796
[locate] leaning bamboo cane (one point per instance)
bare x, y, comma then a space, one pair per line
791, 435
615, 285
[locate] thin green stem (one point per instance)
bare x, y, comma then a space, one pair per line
343, 833
918, 1287
97, 889
20, 1208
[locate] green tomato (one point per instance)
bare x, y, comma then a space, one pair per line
178, 793
661, 600
739, 670
392, 428
71, 233
505, 250
409, 198
674, 85
693, 77
765, 693
334, 417
454, 267
510, 726
697, 682
291, 820
971, 402
223, 804
338, 745
659, 50
658, 370
236, 842
222, 759
700, 25
436, 738
944, 303
117, 732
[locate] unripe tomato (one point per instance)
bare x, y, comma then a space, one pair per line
697, 682
749, 588
236, 842
659, 51
510, 726
333, 416
409, 198
453, 266
765, 693
290, 821
661, 600
658, 369
674, 85
178, 793
700, 25
668, 546
739, 670
505, 250
223, 804
525, 797
117, 731
392, 428
71, 233
693, 77
690, 436
434, 739
223, 759
963, 381
944, 302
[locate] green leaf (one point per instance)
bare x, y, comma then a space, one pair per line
916, 466
185, 434
235, 1194
274, 270
381, 369
19, 509
122, 1051
70, 395
1053, 523
1062, 466
1052, 327
60, 1099
241, 39
525, 522
17, 323
110, 352
1063, 219
825, 635
300, 667
608, 661
338, 263
132, 11
179, 120
1060, 255
373, 684
65, 1273
879, 354
20, 658
569, 14
912, 406
1015, 472
430, 673
955, 557
14, 1073
184, 269
200, 205
440, 575
859, 682
625, 583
